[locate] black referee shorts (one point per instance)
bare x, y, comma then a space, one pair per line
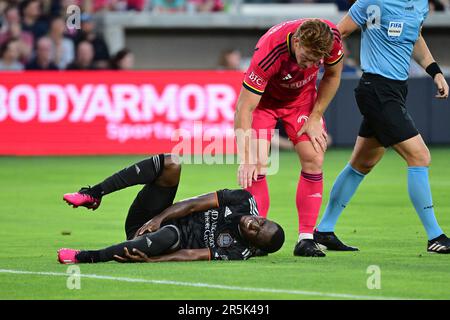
381, 101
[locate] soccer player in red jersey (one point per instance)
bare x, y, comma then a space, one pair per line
281, 84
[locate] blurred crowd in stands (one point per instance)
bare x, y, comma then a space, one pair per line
34, 34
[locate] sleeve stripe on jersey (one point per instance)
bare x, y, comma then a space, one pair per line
336, 33
217, 199
253, 207
336, 61
275, 58
251, 89
271, 52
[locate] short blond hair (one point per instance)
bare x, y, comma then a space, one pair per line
316, 36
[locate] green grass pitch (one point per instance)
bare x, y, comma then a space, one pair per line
380, 220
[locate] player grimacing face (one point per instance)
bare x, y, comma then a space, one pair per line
256, 229
305, 59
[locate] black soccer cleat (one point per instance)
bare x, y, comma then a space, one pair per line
308, 248
440, 244
331, 241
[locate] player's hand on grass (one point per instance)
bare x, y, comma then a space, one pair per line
150, 226
139, 256
442, 86
247, 173
314, 129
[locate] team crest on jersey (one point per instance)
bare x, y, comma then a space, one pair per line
395, 29
224, 240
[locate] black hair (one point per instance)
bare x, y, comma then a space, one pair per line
276, 242
5, 46
118, 57
24, 4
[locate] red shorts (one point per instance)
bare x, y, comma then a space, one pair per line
265, 120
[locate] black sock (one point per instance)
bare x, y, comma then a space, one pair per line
143, 172
152, 244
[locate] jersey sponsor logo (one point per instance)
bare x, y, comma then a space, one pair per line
299, 84
395, 29
256, 79
224, 240
211, 220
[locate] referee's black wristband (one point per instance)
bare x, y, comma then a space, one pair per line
433, 69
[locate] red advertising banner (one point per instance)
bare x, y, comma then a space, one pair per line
87, 113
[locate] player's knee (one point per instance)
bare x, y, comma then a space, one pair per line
419, 159
312, 163
364, 166
172, 162
172, 170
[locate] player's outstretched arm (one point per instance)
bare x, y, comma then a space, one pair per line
424, 58
180, 255
246, 103
181, 209
347, 26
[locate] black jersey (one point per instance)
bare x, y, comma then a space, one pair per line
218, 229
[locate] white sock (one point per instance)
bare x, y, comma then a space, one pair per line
302, 236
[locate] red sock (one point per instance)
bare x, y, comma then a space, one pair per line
308, 200
260, 192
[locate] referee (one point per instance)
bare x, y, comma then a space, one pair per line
390, 37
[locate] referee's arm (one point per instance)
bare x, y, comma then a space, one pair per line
423, 56
346, 26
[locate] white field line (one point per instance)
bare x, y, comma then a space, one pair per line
205, 285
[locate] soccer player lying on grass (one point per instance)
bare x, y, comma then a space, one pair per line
222, 225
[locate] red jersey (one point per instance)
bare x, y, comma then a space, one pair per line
275, 74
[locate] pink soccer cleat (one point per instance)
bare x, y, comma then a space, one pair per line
82, 198
67, 256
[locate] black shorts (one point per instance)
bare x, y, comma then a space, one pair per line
149, 202
381, 101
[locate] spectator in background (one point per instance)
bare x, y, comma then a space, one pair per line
9, 56
207, 5
88, 33
169, 6
436, 5
350, 65
31, 19
63, 50
123, 60
84, 58
138, 5
12, 30
230, 59
344, 5
43, 59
